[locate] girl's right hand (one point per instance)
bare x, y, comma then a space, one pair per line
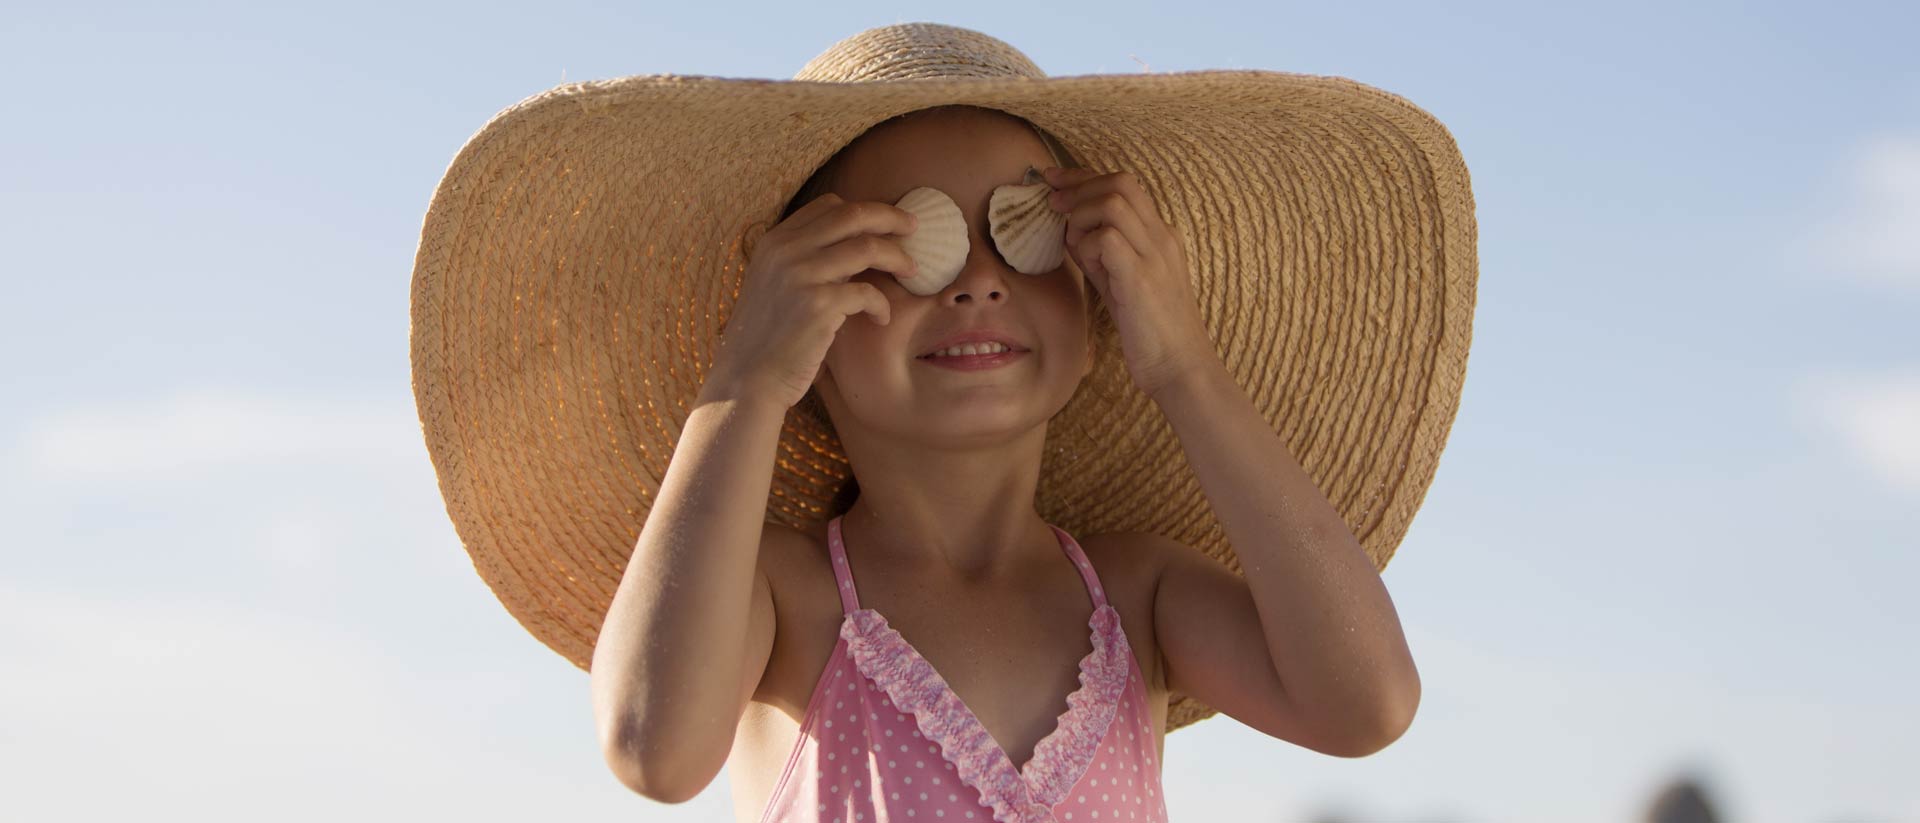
794, 295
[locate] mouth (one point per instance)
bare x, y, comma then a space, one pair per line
974, 362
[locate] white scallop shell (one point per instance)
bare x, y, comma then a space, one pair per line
938, 245
1030, 234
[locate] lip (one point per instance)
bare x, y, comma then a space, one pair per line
974, 362
979, 335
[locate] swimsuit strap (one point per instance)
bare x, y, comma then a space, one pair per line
1079, 558
850, 597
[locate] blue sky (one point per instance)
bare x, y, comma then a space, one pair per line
1673, 528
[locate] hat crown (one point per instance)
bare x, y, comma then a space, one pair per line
917, 51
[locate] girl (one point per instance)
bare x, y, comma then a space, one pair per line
928, 644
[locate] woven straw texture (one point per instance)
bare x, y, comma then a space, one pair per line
582, 252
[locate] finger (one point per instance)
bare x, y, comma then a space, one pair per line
858, 298
812, 211
850, 257
1112, 210
1077, 189
856, 217
1117, 253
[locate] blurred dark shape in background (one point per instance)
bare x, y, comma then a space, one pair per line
1682, 801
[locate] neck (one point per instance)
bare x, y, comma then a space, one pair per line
971, 540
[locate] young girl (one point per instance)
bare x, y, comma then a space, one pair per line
928, 644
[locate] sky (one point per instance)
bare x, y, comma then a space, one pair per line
1671, 534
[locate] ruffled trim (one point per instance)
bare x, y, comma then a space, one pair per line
1063, 755
880, 653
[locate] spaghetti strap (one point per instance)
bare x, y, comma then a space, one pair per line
850, 596
842, 573
1079, 558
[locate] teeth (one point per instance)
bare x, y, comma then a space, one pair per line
970, 348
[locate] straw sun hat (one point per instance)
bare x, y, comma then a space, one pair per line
583, 250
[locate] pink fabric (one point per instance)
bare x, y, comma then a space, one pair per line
884, 740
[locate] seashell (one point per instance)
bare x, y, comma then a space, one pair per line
1029, 233
938, 244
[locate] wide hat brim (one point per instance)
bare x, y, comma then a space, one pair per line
584, 248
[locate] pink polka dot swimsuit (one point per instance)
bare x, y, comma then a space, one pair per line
884, 739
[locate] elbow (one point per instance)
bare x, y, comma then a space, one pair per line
1384, 728
653, 778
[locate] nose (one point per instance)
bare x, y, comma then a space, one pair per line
982, 278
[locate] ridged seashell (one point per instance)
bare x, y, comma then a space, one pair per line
938, 245
1029, 233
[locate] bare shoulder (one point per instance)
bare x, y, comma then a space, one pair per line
795, 561
1136, 555
1129, 565
806, 609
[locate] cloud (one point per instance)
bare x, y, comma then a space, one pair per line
1875, 233
162, 708
199, 430
1876, 419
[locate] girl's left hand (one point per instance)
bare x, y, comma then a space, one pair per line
1118, 239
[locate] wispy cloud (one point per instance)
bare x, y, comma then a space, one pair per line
1876, 419
172, 709
198, 430
1875, 232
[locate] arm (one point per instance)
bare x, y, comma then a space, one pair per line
1308, 646
688, 634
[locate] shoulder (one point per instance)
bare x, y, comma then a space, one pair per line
1139, 556
799, 571
1130, 565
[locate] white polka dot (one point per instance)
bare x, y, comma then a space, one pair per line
929, 748
829, 722
919, 764
909, 781
936, 781
833, 788
923, 795
903, 747
896, 795
837, 704
952, 797
939, 812
1103, 765
889, 732
829, 755
1083, 798
889, 764
1069, 815
909, 812
969, 815
1109, 748
843, 735
1102, 796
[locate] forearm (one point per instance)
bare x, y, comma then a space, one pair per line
665, 676
1331, 629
